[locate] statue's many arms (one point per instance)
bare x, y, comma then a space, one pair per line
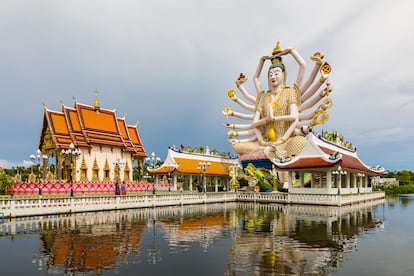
279, 118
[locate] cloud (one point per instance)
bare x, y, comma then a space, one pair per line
169, 64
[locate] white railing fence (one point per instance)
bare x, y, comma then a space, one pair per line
33, 206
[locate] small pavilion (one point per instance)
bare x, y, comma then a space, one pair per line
207, 171
322, 167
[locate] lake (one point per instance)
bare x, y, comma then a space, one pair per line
374, 238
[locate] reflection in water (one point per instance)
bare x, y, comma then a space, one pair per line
297, 240
90, 242
259, 239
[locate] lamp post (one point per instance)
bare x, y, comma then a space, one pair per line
72, 152
152, 164
152, 161
37, 160
202, 166
118, 165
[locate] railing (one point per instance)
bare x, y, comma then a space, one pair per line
33, 206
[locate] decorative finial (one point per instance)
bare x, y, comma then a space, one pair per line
277, 49
96, 103
277, 61
74, 101
61, 102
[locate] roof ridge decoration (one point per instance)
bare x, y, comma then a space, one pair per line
183, 162
96, 104
311, 150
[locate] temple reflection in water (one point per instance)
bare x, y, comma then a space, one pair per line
263, 239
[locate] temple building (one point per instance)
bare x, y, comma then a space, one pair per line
323, 167
205, 171
89, 144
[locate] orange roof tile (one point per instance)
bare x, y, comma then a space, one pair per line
188, 163
84, 126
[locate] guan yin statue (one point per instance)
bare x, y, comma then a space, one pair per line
279, 118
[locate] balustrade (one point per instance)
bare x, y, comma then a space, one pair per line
19, 207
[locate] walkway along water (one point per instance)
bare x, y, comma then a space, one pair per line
35, 206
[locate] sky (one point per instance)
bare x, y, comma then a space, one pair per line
167, 65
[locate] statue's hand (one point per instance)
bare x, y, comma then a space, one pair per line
264, 143
241, 79
317, 57
231, 134
232, 141
270, 148
263, 58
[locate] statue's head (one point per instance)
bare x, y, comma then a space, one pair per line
276, 73
277, 62
277, 65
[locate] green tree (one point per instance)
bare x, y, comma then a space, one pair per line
5, 183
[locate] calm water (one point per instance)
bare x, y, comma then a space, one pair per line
224, 239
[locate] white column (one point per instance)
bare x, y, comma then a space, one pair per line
353, 181
174, 181
329, 179
348, 180
290, 180
216, 184
302, 179
190, 184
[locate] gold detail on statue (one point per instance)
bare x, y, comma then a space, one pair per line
231, 94
277, 49
326, 68
275, 103
272, 135
321, 118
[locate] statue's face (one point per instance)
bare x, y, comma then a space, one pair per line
276, 77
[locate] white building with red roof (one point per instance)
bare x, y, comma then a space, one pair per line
322, 167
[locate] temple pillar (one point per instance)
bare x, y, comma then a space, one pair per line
302, 179
329, 179
216, 184
204, 183
347, 180
353, 181
174, 176
58, 167
190, 184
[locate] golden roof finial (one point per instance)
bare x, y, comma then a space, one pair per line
277, 49
96, 103
61, 102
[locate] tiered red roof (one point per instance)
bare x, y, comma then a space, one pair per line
319, 154
85, 125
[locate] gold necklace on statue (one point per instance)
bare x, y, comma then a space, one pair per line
275, 104
272, 132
